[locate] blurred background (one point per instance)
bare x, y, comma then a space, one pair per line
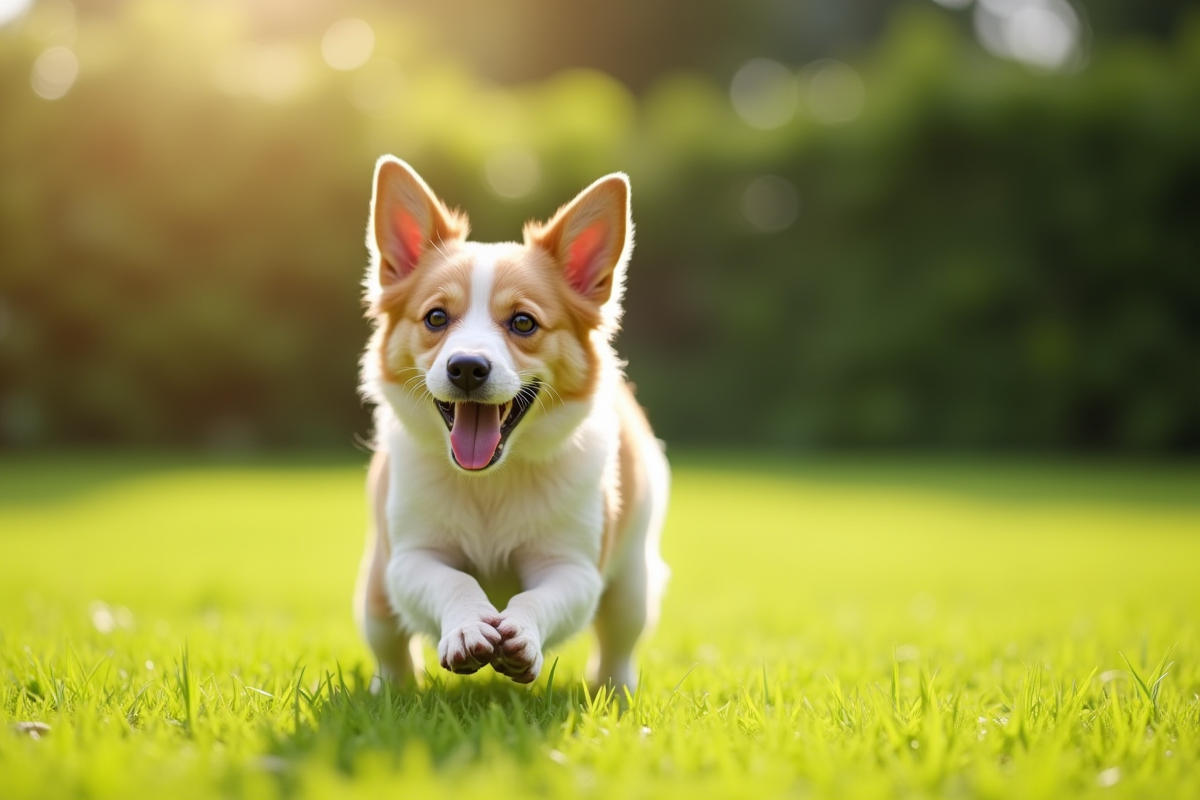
865, 223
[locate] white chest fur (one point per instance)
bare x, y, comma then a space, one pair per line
522, 506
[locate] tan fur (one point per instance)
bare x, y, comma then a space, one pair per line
630, 488
378, 550
534, 285
401, 309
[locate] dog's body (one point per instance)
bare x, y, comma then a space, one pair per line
517, 491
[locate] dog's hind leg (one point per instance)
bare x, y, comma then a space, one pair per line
620, 621
637, 578
393, 647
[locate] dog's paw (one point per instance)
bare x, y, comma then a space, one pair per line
519, 655
469, 645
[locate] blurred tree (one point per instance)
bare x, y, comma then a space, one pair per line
941, 248
637, 42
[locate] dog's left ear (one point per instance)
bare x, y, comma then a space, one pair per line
589, 237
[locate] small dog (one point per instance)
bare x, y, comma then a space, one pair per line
517, 491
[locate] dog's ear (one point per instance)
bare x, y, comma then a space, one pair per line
590, 237
407, 218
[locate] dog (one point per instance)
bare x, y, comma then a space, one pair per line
517, 491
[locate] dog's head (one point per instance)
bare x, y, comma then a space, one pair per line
479, 345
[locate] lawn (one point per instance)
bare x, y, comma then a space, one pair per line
834, 628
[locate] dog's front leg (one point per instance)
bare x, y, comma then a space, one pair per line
560, 597
431, 595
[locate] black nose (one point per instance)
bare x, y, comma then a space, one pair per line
468, 372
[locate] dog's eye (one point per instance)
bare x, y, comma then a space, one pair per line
436, 318
523, 323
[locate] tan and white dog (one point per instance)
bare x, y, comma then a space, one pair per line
517, 490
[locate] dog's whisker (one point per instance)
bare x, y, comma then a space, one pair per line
532, 376
420, 372
550, 388
540, 399
531, 391
415, 380
413, 385
541, 402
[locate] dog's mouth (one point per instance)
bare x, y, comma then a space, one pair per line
478, 431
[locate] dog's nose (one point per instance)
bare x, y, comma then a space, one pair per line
468, 372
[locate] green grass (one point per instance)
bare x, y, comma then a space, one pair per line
837, 628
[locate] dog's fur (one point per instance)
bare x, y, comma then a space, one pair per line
556, 526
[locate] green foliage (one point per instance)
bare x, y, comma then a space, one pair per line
984, 257
833, 629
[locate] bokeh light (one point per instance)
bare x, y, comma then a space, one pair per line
54, 73
770, 203
280, 72
1045, 34
833, 91
512, 173
763, 93
348, 44
205, 151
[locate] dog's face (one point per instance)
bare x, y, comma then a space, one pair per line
480, 345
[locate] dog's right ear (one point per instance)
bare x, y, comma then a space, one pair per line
407, 219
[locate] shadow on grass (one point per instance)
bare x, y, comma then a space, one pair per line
40, 477
454, 722
46, 477
1029, 478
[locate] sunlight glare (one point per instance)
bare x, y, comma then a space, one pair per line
51, 22
11, 9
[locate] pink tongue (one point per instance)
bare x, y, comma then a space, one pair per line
476, 434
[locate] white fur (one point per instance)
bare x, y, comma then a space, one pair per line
530, 522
